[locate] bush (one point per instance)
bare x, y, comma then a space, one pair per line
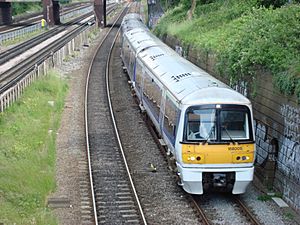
19, 8
244, 36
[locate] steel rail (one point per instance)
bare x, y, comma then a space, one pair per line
19, 49
246, 211
15, 74
87, 128
200, 211
114, 124
117, 133
34, 18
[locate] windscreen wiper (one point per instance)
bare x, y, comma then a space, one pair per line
209, 134
227, 132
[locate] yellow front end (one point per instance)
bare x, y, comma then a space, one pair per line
217, 154
226, 166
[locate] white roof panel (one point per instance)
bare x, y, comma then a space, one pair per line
184, 80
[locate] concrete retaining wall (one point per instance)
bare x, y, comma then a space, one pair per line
277, 124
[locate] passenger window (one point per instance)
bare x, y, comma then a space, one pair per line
170, 118
153, 93
131, 65
126, 53
139, 76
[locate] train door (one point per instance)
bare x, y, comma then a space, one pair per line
131, 64
126, 53
170, 119
138, 79
162, 111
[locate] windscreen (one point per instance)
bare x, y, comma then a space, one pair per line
234, 125
218, 123
201, 124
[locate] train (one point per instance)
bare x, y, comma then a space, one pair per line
207, 126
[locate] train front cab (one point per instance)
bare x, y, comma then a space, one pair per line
217, 149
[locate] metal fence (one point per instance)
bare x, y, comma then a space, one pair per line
38, 26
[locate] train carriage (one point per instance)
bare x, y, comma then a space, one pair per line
206, 125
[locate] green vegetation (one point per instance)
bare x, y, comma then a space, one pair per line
23, 7
267, 197
27, 152
289, 215
25, 37
244, 37
264, 198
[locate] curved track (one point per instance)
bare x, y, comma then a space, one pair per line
115, 201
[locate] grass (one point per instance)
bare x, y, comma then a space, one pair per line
289, 215
267, 197
264, 198
27, 152
22, 38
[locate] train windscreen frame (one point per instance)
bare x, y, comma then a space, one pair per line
218, 123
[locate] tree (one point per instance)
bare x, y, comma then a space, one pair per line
192, 9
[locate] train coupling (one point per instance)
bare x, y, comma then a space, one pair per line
219, 180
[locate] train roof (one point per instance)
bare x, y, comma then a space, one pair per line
186, 82
131, 21
132, 16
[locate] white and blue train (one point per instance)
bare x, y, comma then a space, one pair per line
206, 125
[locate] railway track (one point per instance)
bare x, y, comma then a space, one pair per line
160, 199
205, 210
210, 205
21, 48
115, 199
34, 18
111, 190
11, 74
245, 211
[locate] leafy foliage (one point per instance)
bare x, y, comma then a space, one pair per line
19, 8
275, 3
244, 36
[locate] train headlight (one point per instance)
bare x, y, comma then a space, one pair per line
193, 158
241, 158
